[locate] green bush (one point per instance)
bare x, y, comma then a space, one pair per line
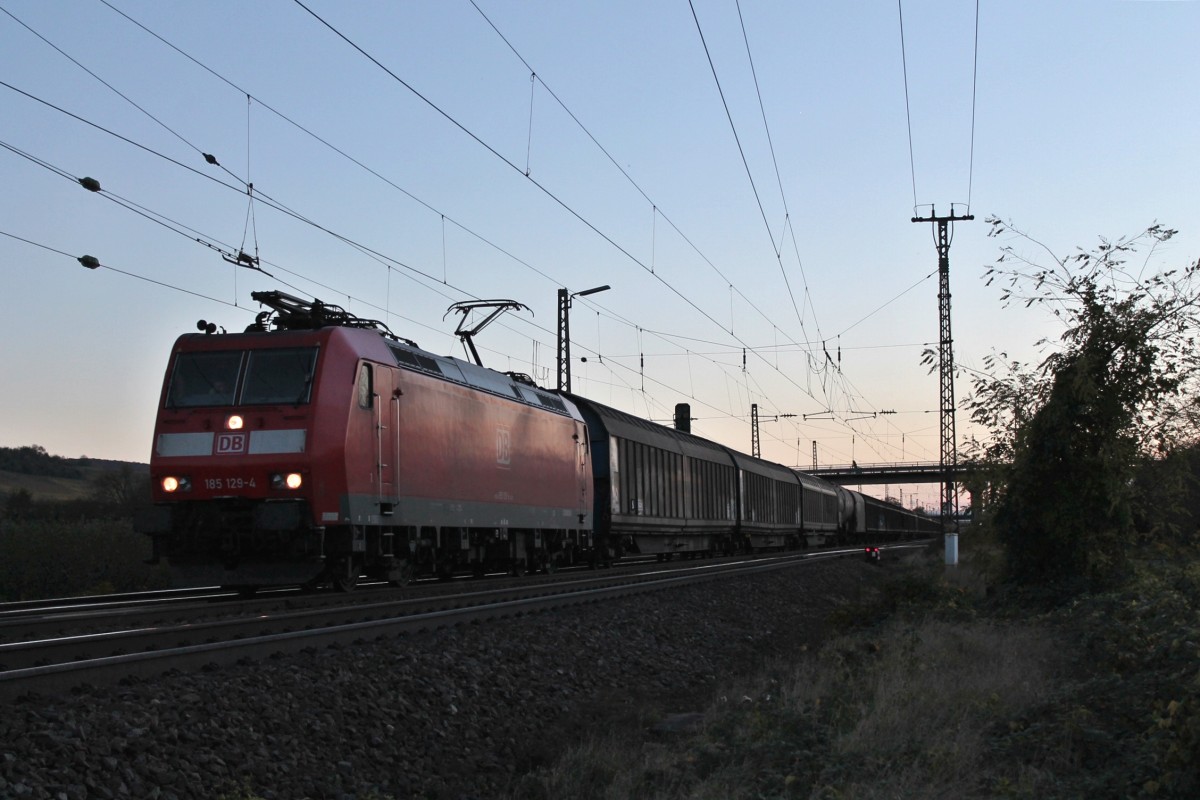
46, 558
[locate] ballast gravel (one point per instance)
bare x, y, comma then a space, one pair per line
450, 714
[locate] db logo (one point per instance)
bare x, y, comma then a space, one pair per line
503, 447
231, 444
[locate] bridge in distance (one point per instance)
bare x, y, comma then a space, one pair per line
875, 474
911, 472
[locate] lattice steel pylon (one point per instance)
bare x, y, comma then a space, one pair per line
564, 332
944, 233
564, 340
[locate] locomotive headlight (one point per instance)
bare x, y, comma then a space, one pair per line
235, 422
171, 484
289, 480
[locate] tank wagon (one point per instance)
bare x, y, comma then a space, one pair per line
316, 447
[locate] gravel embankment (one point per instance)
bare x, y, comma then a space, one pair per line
456, 713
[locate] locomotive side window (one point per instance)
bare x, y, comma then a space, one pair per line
279, 376
204, 379
366, 393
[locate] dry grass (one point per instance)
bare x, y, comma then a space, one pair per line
905, 711
918, 717
910, 708
46, 487
951, 696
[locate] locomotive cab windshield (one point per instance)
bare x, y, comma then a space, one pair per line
275, 376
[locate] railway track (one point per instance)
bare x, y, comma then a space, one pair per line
63, 617
205, 634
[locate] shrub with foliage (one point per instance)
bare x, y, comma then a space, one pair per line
41, 558
1122, 386
1168, 499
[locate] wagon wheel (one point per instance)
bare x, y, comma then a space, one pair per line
344, 574
403, 576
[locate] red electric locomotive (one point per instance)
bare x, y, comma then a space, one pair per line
317, 446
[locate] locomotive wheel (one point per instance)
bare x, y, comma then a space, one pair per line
344, 575
404, 577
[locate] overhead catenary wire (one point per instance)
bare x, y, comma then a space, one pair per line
742, 153
264, 198
779, 181
209, 241
407, 267
828, 377
907, 105
974, 85
459, 224
551, 195
100, 265
208, 157
656, 209
863, 319
657, 212
737, 139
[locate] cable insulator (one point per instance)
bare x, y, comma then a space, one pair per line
210, 158
91, 184
91, 262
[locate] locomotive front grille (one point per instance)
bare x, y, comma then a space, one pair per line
233, 530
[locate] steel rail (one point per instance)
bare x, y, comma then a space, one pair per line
36, 620
149, 664
21, 607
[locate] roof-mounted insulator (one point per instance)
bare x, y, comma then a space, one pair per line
91, 184
294, 314
91, 262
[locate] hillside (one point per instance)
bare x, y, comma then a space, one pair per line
51, 477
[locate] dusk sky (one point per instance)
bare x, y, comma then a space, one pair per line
754, 224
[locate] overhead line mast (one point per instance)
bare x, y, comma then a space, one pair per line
944, 233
